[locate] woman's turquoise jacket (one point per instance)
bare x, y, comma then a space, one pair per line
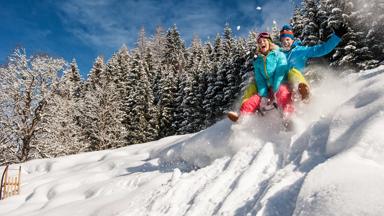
270, 71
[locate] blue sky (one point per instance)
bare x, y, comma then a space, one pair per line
84, 29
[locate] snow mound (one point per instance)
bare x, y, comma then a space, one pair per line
331, 164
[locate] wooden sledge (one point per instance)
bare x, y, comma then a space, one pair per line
10, 185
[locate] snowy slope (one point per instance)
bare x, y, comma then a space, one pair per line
333, 164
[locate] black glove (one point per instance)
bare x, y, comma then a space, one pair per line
341, 30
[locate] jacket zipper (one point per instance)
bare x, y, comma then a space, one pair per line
265, 70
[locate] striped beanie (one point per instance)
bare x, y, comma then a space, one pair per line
286, 31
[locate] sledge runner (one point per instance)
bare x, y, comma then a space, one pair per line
270, 69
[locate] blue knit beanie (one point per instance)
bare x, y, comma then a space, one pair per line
286, 31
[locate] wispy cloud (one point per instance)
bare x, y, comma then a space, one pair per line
110, 23
94, 22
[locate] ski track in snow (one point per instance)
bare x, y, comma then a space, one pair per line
332, 164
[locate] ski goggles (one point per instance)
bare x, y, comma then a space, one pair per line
264, 35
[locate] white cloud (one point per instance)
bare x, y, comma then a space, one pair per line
110, 23
105, 23
94, 23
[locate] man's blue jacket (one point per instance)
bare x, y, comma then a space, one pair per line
298, 55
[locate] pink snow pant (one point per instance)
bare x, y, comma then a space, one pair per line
283, 100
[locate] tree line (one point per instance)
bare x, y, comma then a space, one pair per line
160, 88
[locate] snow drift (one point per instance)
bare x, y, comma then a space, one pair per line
332, 164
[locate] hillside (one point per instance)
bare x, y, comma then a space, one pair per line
332, 164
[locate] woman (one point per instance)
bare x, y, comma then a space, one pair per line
270, 70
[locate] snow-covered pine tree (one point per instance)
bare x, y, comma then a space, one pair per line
206, 77
142, 43
182, 91
146, 51
73, 80
336, 13
241, 58
310, 33
123, 60
173, 65
275, 33
157, 49
297, 22
29, 86
75, 86
330, 16
204, 71
191, 105
145, 48
247, 76
97, 75
89, 119
102, 117
61, 131
120, 73
252, 42
327, 18
140, 104
229, 68
374, 36
175, 53
209, 104
362, 46
251, 54
8, 143
166, 103
112, 71
354, 49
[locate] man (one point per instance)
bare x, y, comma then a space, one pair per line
298, 55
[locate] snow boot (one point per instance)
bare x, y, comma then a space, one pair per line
233, 116
304, 92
